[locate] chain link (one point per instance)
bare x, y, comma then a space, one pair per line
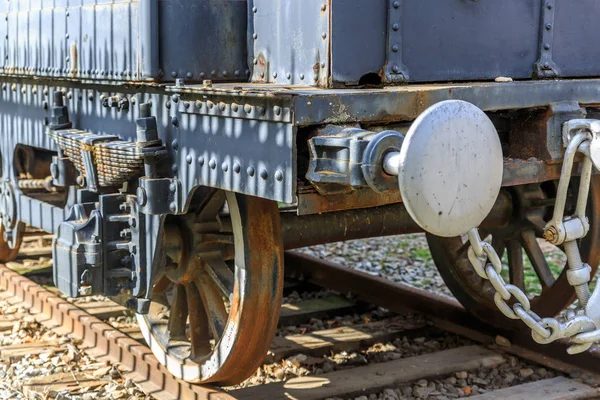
487, 264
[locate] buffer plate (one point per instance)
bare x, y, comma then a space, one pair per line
451, 168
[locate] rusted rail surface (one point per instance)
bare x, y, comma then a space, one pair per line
105, 342
444, 312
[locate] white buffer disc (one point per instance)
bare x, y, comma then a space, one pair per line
450, 168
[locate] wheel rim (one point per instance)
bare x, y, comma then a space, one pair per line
232, 279
532, 205
6, 253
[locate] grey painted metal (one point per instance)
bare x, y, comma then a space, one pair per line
149, 20
394, 69
545, 67
360, 29
450, 168
405, 103
291, 41
128, 40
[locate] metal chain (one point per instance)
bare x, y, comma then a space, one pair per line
580, 328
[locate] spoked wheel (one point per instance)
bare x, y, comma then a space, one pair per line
215, 307
532, 207
6, 253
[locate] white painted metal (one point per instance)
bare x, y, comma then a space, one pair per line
450, 169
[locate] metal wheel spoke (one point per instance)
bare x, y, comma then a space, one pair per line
199, 333
211, 206
515, 264
214, 305
220, 273
178, 315
537, 258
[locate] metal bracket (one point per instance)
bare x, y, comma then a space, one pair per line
159, 196
545, 68
395, 71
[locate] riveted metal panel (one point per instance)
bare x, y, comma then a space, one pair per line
76, 39
575, 46
203, 40
291, 41
466, 40
359, 29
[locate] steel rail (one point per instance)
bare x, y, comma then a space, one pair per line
444, 312
105, 342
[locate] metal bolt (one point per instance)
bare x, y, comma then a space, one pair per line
234, 107
201, 161
396, 68
274, 74
250, 170
186, 104
262, 74
264, 174
547, 46
91, 96
324, 7
174, 168
141, 196
199, 104
175, 98
175, 121
168, 104
324, 35
551, 235
548, 27
237, 168
212, 163
189, 159
173, 187
175, 144
395, 48
224, 73
396, 4
80, 180
277, 110
210, 104
189, 75
395, 26
173, 207
174, 74
288, 75
255, 61
549, 6
132, 222
262, 110
222, 106
255, 36
254, 10
248, 108
279, 175
225, 167
301, 76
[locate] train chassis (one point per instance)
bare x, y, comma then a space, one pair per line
171, 198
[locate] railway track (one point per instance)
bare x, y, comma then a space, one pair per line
320, 351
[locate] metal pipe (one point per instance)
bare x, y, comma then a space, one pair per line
309, 230
148, 14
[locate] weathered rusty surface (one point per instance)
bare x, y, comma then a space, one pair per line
105, 342
312, 202
538, 132
516, 172
309, 230
198, 246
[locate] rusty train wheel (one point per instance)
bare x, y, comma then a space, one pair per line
215, 309
532, 207
6, 253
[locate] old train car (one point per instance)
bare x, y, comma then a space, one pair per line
159, 140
